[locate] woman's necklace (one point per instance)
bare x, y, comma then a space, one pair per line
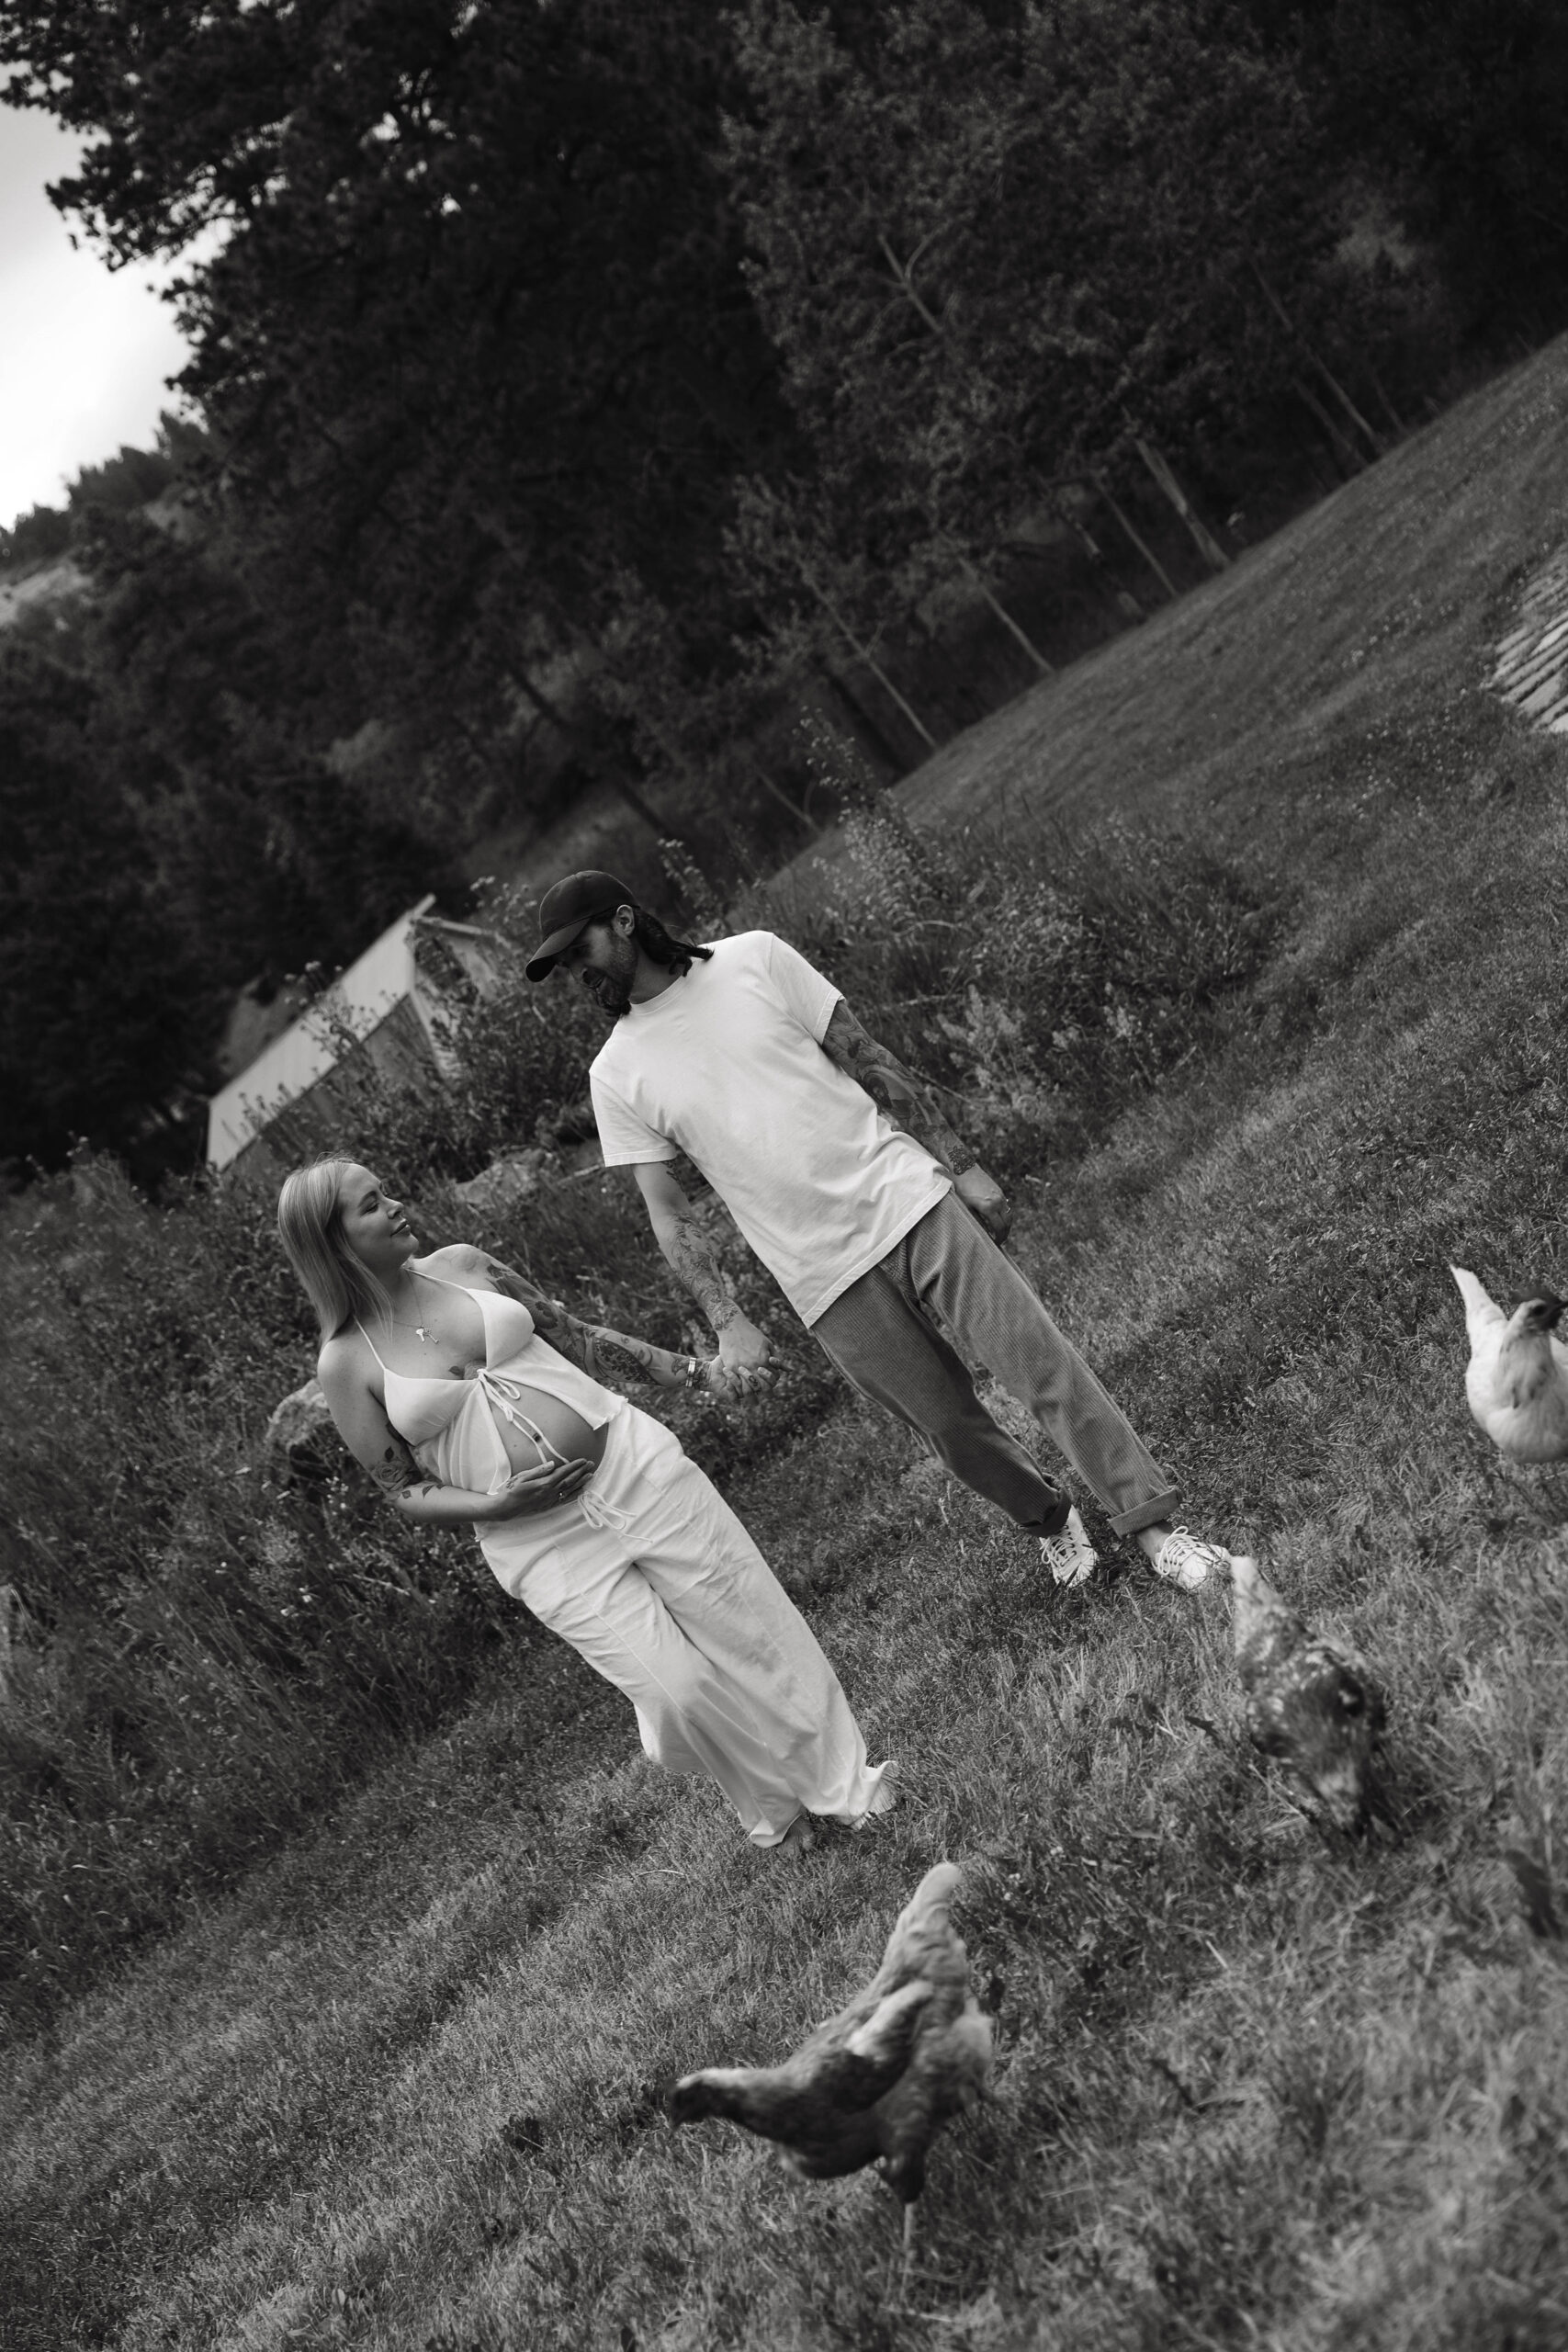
417, 1328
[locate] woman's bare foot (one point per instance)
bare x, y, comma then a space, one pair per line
798, 1839
885, 1798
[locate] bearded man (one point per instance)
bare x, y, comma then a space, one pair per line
877, 1222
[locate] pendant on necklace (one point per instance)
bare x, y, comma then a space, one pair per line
421, 1333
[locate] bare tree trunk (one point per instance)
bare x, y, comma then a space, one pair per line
1388, 407
865, 654
1349, 455
795, 808
1138, 540
1334, 386
603, 770
1126, 604
1204, 539
964, 707
495, 528
860, 717
1046, 669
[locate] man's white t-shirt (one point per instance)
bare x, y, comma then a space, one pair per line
727, 1066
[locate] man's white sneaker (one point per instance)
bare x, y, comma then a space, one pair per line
1070, 1557
1186, 1560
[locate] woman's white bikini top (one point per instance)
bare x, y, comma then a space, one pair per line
450, 1419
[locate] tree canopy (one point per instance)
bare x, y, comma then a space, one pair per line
647, 372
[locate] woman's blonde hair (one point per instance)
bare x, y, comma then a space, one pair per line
309, 1226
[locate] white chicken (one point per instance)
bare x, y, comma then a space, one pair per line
1516, 1380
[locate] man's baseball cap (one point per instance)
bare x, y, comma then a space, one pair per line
566, 909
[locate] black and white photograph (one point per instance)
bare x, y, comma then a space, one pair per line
783, 1176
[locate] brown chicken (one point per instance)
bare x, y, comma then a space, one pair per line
1310, 1702
875, 2083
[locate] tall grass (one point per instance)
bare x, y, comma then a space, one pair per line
200, 1645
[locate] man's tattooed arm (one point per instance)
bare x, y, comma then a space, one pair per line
743, 1348
694, 1259
909, 1101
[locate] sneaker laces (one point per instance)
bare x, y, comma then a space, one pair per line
1068, 1554
1185, 1559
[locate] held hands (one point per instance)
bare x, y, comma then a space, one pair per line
983, 1195
530, 1492
741, 1363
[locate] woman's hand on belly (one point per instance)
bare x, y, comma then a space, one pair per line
529, 1493
568, 1437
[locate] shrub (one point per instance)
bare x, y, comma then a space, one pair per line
1047, 984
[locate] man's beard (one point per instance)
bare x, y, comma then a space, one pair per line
609, 994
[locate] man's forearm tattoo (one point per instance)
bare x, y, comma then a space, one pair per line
691, 1253
894, 1089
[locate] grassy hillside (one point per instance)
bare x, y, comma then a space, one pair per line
403, 2090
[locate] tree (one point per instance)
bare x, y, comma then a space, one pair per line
214, 714
1453, 111
105, 1007
477, 269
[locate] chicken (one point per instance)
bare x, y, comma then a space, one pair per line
1516, 1380
1308, 1701
877, 2082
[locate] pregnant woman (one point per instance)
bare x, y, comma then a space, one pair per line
471, 1398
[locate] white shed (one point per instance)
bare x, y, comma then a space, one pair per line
388, 1012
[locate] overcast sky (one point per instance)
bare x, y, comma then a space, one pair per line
84, 351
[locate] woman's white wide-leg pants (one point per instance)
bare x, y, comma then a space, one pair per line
656, 1584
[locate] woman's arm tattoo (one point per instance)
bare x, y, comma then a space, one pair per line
592, 1346
398, 1474
908, 1101
516, 1287
612, 1356
565, 1333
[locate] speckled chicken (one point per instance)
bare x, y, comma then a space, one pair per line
876, 2083
1310, 1701
1516, 1380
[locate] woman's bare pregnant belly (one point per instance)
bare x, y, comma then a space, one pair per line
568, 1433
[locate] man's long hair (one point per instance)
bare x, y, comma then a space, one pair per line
675, 955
